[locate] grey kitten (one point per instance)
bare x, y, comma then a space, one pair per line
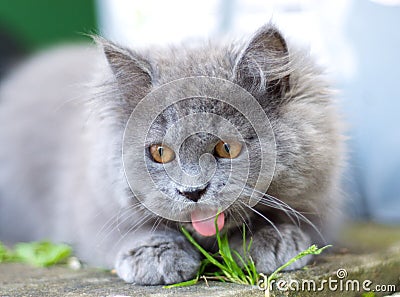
69, 173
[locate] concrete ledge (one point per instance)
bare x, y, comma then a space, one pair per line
19, 280
380, 267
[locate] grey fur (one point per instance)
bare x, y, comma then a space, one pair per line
62, 117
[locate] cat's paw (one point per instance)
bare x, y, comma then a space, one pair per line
158, 260
269, 250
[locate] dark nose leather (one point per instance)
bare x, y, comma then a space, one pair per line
194, 195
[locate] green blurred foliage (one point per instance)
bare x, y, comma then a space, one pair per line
40, 23
40, 254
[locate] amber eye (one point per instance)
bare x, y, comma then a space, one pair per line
229, 149
162, 153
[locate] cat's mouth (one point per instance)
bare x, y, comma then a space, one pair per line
203, 221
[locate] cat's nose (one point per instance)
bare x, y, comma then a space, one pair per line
193, 195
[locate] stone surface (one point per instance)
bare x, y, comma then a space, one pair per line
377, 268
17, 280
381, 267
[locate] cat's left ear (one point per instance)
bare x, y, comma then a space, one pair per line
263, 66
132, 72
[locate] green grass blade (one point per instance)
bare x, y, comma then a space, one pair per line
253, 269
244, 240
225, 251
183, 284
245, 267
228, 259
203, 251
312, 250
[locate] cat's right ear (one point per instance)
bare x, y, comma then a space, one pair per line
132, 72
263, 65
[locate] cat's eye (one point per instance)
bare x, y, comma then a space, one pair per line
162, 153
229, 149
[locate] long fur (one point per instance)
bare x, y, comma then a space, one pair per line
62, 119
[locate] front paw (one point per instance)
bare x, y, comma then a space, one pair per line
269, 250
158, 260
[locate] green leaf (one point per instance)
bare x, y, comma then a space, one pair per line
5, 254
42, 253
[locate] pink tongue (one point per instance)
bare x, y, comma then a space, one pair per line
203, 222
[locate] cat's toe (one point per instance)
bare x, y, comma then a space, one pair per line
158, 263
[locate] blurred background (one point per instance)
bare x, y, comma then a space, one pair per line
358, 41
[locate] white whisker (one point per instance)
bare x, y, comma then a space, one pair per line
107, 224
275, 205
134, 227
302, 217
265, 218
116, 225
245, 220
156, 224
288, 208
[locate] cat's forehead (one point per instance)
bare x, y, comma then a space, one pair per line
209, 108
175, 63
203, 114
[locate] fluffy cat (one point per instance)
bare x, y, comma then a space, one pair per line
62, 177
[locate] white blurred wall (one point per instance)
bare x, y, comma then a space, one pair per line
314, 23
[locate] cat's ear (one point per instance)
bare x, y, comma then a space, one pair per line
263, 65
132, 72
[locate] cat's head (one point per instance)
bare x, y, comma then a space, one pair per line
203, 153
